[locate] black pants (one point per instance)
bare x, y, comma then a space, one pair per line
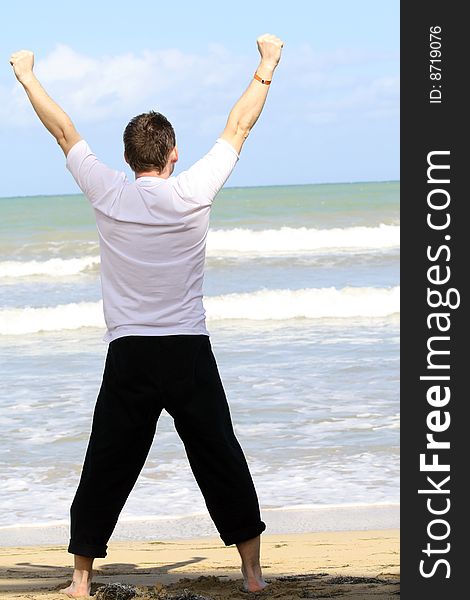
144, 375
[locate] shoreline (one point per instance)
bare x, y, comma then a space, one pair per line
294, 564
295, 520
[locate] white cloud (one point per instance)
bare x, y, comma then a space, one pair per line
94, 89
311, 87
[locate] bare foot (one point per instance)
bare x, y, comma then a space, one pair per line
78, 589
81, 578
253, 582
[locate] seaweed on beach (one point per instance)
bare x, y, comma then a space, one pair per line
355, 580
183, 595
121, 591
116, 591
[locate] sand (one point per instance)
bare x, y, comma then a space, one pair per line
358, 565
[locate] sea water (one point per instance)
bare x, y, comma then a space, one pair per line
302, 301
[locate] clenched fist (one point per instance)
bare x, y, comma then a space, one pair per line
270, 48
22, 63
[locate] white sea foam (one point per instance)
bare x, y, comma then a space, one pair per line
18, 321
54, 267
313, 303
237, 242
289, 240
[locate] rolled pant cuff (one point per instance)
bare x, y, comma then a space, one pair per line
86, 550
242, 535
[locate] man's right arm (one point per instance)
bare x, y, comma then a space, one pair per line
54, 119
246, 111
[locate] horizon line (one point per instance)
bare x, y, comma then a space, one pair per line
234, 187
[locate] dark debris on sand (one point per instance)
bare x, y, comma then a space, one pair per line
355, 580
183, 595
121, 591
116, 591
307, 576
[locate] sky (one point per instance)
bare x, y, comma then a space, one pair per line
332, 113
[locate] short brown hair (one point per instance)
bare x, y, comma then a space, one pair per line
148, 140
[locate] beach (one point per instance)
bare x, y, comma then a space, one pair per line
352, 564
302, 301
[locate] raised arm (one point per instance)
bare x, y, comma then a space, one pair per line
246, 111
51, 115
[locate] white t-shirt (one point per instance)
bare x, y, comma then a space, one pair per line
152, 235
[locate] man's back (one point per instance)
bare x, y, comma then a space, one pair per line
152, 241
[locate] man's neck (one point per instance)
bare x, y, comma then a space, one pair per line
163, 175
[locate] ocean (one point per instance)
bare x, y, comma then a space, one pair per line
302, 301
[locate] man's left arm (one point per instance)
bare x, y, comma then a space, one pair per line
54, 119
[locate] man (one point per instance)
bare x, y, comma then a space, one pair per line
152, 242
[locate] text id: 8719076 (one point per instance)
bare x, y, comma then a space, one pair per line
435, 64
